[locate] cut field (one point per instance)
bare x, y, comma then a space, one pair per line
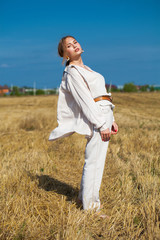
39, 180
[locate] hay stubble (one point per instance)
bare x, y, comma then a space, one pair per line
40, 179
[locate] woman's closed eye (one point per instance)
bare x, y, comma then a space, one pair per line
68, 46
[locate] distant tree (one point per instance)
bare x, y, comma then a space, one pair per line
40, 92
54, 91
144, 88
15, 91
115, 90
29, 93
129, 87
151, 89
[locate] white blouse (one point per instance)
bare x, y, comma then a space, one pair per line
95, 81
77, 111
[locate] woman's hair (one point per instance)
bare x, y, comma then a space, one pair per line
61, 47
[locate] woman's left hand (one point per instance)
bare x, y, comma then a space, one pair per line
114, 129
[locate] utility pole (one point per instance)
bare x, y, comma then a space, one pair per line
45, 90
110, 86
34, 88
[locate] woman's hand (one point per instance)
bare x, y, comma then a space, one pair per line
105, 135
114, 129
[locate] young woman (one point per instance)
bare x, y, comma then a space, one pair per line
85, 107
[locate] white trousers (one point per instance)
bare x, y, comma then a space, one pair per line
95, 155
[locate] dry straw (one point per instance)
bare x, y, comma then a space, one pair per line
40, 179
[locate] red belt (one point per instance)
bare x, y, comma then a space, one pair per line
103, 98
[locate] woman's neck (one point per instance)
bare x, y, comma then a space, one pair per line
78, 62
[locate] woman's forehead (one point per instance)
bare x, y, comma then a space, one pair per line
69, 40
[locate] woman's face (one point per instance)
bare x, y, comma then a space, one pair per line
72, 48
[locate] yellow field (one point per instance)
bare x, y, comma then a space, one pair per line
40, 179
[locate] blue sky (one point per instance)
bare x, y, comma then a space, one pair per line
120, 38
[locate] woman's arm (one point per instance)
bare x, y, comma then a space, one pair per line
82, 96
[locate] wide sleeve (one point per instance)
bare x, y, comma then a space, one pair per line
82, 95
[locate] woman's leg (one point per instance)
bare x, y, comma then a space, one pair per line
95, 155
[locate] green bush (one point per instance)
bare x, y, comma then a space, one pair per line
152, 89
144, 88
40, 92
15, 91
129, 87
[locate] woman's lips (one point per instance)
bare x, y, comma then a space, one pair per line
77, 49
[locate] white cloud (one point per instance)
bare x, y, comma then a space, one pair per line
4, 65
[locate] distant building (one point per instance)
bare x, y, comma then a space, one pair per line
4, 90
22, 90
108, 86
156, 87
120, 87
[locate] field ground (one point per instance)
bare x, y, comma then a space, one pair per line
40, 179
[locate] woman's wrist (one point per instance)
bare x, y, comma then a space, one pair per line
103, 127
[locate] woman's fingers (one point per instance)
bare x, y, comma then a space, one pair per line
105, 136
114, 129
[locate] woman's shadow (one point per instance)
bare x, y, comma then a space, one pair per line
51, 184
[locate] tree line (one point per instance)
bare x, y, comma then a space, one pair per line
128, 87
131, 87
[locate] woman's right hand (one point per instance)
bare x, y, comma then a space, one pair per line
105, 135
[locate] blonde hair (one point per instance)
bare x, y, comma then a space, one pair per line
61, 47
